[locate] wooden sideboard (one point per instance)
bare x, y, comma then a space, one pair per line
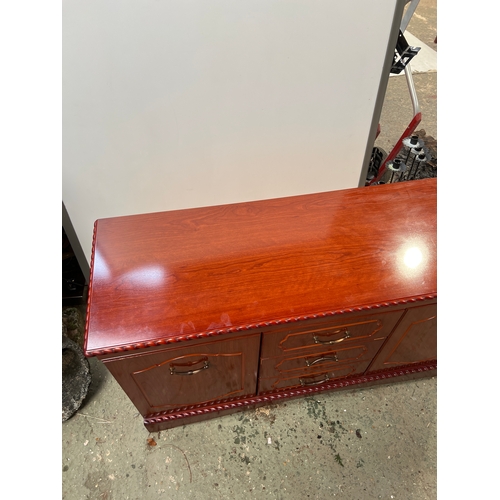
202, 312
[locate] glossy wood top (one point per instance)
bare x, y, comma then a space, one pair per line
189, 272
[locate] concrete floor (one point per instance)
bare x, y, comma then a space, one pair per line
371, 443
303, 448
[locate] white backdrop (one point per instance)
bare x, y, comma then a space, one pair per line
173, 104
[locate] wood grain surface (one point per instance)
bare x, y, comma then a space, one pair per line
188, 273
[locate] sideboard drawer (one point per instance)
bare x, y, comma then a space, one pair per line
274, 367
178, 377
311, 376
334, 332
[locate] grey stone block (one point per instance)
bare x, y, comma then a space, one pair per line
76, 377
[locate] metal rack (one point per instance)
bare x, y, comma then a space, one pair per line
409, 157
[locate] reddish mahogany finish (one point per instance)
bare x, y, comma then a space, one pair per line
343, 331
188, 273
207, 311
197, 413
414, 340
176, 376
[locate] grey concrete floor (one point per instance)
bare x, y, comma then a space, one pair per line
305, 448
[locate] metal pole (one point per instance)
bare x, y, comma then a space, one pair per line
408, 14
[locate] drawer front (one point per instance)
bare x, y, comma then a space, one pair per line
344, 330
311, 376
175, 378
319, 359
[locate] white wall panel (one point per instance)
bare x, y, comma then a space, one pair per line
173, 104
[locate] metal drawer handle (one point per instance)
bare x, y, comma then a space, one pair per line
325, 379
347, 335
323, 358
190, 372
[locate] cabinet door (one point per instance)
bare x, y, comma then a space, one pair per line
179, 377
414, 340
